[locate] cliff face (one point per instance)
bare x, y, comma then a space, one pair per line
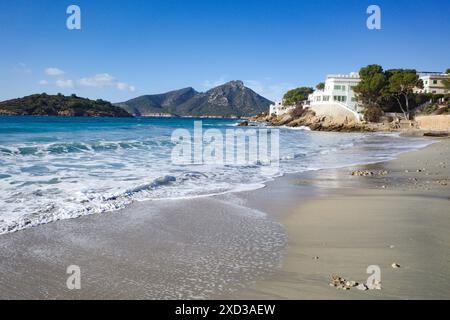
232, 99
59, 105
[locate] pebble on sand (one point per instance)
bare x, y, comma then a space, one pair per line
343, 284
368, 173
362, 287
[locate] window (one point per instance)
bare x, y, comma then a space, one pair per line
326, 98
435, 81
426, 81
339, 87
340, 98
354, 99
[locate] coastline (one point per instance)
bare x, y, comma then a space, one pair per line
225, 158
172, 249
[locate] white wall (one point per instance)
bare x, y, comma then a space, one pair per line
330, 91
335, 111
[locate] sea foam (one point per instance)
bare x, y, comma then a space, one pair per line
76, 167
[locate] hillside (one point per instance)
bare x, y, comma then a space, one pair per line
59, 105
232, 99
164, 103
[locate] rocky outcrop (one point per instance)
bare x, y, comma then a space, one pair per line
243, 124
307, 118
5, 112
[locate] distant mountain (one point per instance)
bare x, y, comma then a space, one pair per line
59, 105
232, 99
158, 104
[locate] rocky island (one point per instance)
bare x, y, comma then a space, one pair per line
230, 100
60, 105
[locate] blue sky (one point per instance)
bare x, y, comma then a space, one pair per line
135, 47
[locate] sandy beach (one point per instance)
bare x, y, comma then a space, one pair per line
400, 215
280, 242
225, 158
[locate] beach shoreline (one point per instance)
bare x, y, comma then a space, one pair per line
280, 242
397, 214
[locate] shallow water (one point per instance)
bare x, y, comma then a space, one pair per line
59, 168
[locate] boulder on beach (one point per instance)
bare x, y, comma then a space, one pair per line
243, 124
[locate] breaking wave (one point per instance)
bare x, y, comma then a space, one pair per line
52, 174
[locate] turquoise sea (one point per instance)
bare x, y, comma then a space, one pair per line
58, 168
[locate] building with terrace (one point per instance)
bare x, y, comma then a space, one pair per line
279, 109
433, 82
337, 99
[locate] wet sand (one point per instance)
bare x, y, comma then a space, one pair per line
254, 245
187, 249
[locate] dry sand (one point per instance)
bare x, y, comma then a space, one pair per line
226, 247
399, 216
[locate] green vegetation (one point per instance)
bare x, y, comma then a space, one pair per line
435, 109
446, 82
373, 82
401, 85
389, 91
59, 105
296, 96
320, 86
373, 113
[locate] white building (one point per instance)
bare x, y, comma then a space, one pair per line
279, 109
337, 99
432, 83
